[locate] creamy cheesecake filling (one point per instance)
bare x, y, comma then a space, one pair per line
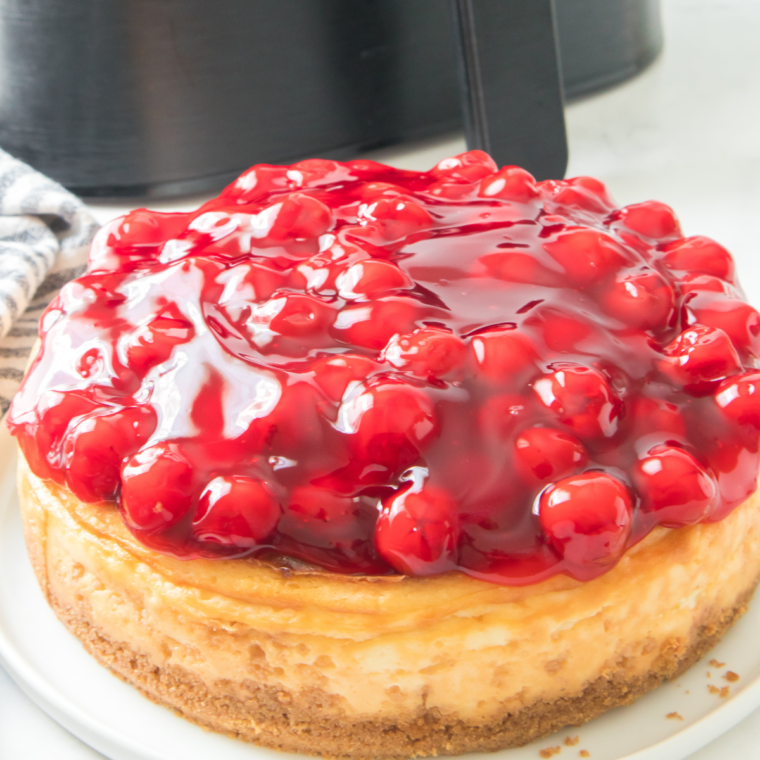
385, 647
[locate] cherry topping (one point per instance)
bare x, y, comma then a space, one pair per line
372, 370
95, 447
154, 342
370, 278
157, 483
391, 422
236, 511
643, 300
299, 216
699, 255
335, 374
372, 325
509, 184
739, 399
586, 255
734, 317
427, 352
41, 430
331, 530
297, 315
543, 454
651, 219
417, 531
398, 217
576, 194
587, 520
503, 356
674, 484
514, 266
582, 399
699, 357
466, 167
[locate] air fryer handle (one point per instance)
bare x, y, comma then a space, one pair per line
511, 83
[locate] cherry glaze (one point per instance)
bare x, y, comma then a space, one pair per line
375, 371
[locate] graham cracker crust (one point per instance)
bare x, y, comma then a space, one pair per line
296, 723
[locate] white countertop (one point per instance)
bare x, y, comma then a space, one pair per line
685, 132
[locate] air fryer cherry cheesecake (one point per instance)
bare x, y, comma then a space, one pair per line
366, 462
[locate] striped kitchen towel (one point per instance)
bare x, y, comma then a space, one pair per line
45, 234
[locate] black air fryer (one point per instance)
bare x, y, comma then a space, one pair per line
161, 97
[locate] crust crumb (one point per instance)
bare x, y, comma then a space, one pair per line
722, 692
571, 741
584, 753
709, 674
717, 664
731, 676
550, 751
674, 716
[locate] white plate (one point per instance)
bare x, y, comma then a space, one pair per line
53, 669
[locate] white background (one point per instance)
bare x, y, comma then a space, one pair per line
686, 132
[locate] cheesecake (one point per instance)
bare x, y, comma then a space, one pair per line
364, 462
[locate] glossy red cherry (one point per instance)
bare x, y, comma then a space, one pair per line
651, 219
153, 343
247, 284
427, 352
41, 431
587, 520
672, 483
513, 266
371, 325
370, 278
133, 238
157, 487
699, 255
579, 193
95, 448
391, 423
734, 317
318, 172
586, 255
739, 399
699, 357
511, 183
642, 300
704, 283
466, 167
299, 216
374, 191
334, 374
236, 511
543, 454
503, 356
561, 332
299, 315
582, 399
417, 531
398, 217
